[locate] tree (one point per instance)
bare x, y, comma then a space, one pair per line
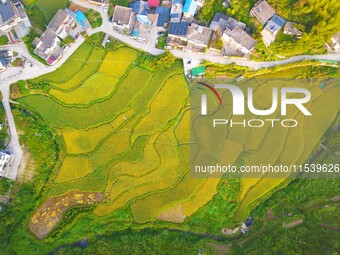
164, 60
159, 62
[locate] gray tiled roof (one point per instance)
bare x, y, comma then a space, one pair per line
241, 37
57, 20
221, 22
122, 15
336, 37
262, 11
47, 39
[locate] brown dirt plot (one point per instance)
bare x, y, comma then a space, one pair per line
49, 214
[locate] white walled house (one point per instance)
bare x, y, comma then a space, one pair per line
14, 22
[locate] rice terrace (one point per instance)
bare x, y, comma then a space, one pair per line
135, 127
124, 132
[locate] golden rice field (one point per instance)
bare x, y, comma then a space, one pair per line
125, 133
124, 130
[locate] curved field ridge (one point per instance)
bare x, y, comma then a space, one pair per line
125, 134
94, 88
126, 140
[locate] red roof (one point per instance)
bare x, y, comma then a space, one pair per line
153, 3
51, 60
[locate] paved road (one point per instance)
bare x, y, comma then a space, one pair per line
22, 50
36, 70
39, 69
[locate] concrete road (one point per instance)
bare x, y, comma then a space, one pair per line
36, 70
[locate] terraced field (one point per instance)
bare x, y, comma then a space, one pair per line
125, 133
272, 145
126, 136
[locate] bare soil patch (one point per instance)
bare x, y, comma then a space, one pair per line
49, 214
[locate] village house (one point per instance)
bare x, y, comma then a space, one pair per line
14, 22
153, 3
141, 30
190, 8
198, 38
272, 29
123, 19
142, 25
62, 24
290, 28
222, 22
4, 60
262, 11
238, 38
235, 40
177, 34
48, 47
163, 16
4, 162
152, 16
139, 7
176, 11
219, 23
336, 42
80, 19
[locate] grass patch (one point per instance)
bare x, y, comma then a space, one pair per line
94, 18
50, 8
37, 18
3, 40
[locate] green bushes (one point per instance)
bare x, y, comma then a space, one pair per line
68, 218
3, 40
94, 18
44, 148
159, 62
37, 18
96, 39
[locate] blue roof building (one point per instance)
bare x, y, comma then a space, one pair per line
178, 28
80, 18
163, 15
6, 11
190, 7
180, 2
272, 28
177, 34
13, 20
139, 7
176, 10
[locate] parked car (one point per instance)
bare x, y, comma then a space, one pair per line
160, 33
